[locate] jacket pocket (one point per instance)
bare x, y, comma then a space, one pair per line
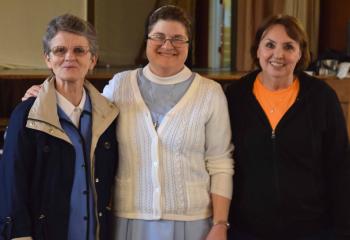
41, 228
198, 197
6, 228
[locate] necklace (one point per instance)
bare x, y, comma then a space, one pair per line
160, 100
278, 101
281, 101
275, 103
162, 94
155, 124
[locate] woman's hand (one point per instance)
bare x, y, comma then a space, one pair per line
33, 91
217, 232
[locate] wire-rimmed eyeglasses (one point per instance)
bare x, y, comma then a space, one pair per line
160, 39
61, 51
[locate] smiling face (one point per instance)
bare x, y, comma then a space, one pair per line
73, 65
166, 60
278, 53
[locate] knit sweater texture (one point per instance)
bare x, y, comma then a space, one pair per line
170, 172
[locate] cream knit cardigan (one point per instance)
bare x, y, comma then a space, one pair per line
169, 173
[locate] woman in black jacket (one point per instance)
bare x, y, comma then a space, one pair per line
292, 178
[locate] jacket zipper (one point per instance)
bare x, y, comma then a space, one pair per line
273, 136
275, 168
274, 156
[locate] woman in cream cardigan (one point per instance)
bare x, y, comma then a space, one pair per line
175, 168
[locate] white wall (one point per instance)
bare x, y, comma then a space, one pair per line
119, 25
23, 23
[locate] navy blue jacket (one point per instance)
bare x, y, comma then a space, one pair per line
295, 180
36, 176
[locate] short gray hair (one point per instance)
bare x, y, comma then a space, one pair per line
72, 24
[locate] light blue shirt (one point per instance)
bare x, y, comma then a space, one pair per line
81, 215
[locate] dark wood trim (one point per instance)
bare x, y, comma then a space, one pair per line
234, 27
91, 11
14, 83
201, 35
334, 17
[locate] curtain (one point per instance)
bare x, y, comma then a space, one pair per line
308, 12
250, 15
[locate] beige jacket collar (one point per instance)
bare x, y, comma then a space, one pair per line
43, 114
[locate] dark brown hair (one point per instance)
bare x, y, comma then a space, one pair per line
294, 30
170, 12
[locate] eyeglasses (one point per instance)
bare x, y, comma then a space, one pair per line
60, 51
160, 39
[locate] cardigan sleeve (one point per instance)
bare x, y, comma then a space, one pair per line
110, 91
218, 149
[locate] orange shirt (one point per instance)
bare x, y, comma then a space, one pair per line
275, 103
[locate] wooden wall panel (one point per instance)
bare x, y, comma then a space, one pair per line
334, 17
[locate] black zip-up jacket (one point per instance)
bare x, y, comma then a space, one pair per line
294, 180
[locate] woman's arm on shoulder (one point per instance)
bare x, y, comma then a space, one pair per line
33, 91
110, 90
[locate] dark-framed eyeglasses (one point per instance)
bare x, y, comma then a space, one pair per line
61, 51
176, 41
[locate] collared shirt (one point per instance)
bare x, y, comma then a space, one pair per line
73, 112
82, 215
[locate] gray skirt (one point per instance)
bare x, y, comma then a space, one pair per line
136, 229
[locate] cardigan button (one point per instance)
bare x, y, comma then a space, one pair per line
100, 214
107, 145
97, 180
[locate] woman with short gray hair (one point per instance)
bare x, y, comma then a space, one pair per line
60, 154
